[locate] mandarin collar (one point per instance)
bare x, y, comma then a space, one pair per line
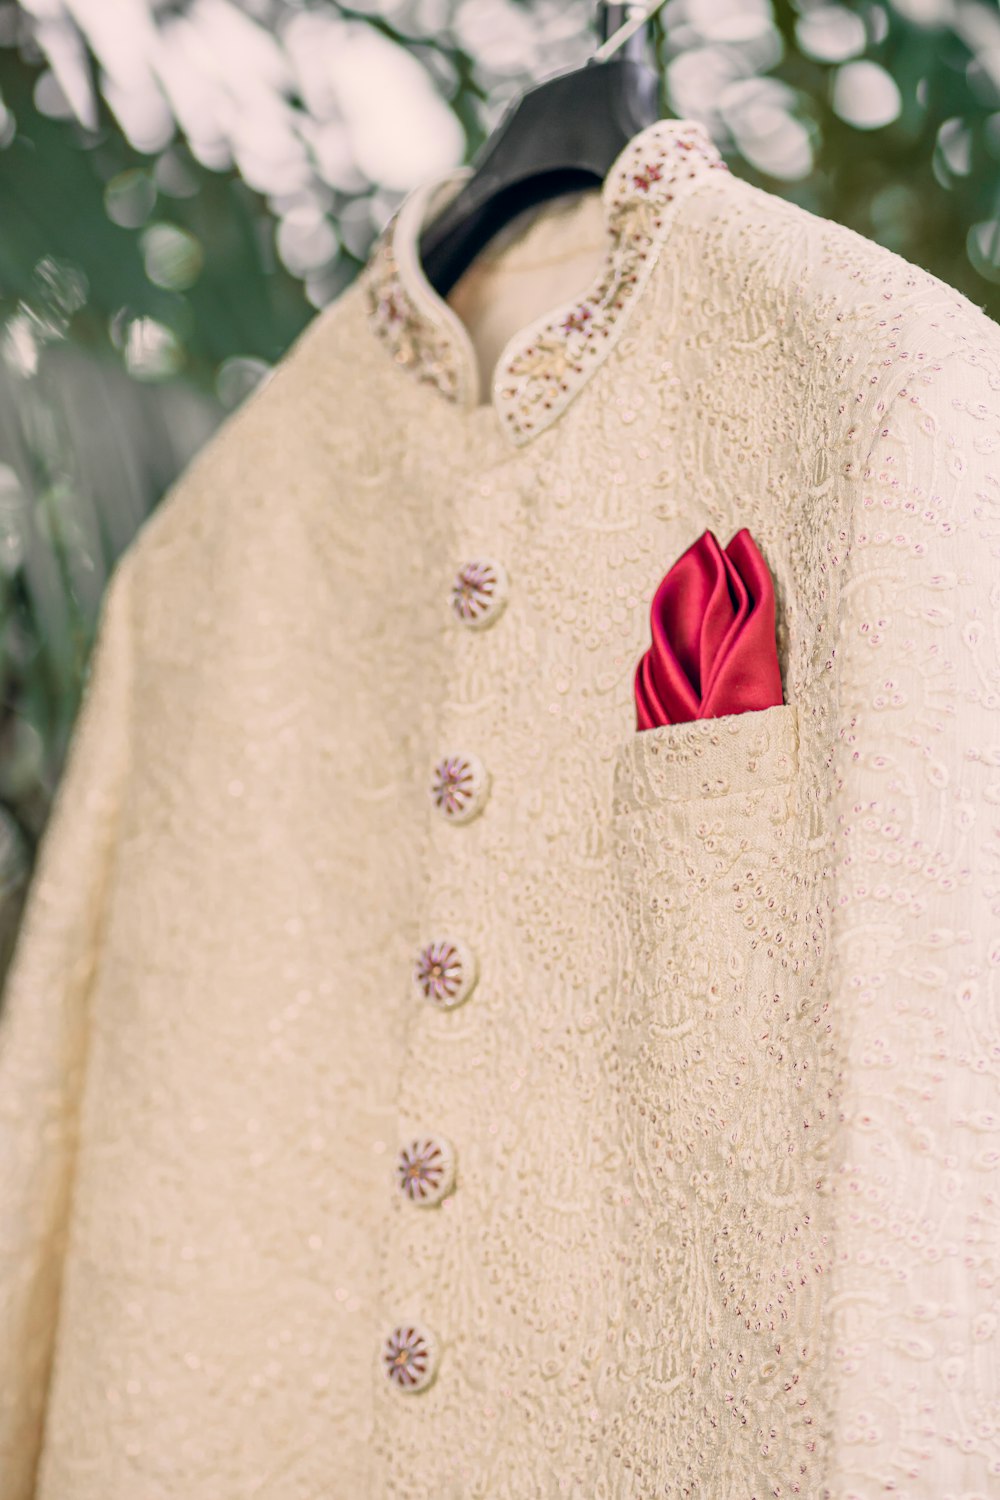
547, 362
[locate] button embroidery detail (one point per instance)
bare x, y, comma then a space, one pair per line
445, 972
479, 593
409, 1357
542, 366
425, 1170
460, 787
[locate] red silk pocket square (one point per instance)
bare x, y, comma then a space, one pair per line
713, 646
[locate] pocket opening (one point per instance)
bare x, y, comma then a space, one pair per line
708, 757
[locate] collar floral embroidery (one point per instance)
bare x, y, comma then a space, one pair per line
545, 364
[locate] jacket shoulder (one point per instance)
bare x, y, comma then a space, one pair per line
258, 451
790, 257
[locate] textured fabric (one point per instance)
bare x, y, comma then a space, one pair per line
713, 650
706, 1014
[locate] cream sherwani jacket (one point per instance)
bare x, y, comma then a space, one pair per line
414, 1080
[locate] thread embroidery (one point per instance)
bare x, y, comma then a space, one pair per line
544, 365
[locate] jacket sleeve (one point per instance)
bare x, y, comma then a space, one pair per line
44, 1033
915, 1347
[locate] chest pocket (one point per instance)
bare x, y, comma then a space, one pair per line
703, 820
704, 759
724, 1063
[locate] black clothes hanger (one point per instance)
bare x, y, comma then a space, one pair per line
561, 135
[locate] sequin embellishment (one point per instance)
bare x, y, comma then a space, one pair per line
460, 787
414, 339
543, 365
479, 593
445, 972
409, 1357
425, 1170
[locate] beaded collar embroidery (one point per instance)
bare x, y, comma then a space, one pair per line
543, 365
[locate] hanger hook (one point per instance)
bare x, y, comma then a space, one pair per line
620, 37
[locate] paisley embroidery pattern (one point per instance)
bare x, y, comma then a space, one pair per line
544, 365
726, 1088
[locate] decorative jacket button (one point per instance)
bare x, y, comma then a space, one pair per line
445, 972
410, 1356
425, 1169
460, 788
479, 592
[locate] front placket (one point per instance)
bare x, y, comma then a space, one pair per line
436, 1195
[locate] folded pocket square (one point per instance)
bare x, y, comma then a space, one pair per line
713, 646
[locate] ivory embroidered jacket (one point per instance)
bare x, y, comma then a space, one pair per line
414, 1080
